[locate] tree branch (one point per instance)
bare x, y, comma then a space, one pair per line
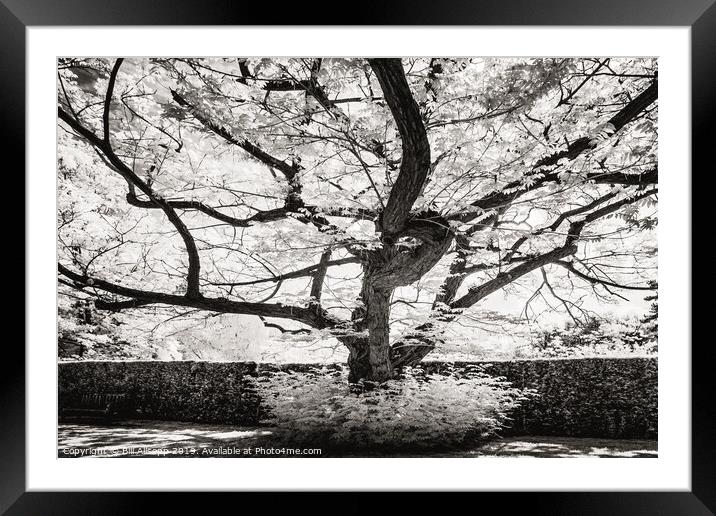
301, 273
320, 275
558, 221
289, 170
569, 247
108, 97
415, 162
513, 190
591, 279
309, 316
280, 328
105, 147
261, 216
475, 294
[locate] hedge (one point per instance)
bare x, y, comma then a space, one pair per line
598, 397
587, 397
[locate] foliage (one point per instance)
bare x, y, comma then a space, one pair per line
652, 318
605, 337
417, 409
87, 334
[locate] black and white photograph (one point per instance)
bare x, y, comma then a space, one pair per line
328, 257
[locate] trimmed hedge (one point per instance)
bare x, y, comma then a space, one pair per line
586, 397
598, 397
206, 392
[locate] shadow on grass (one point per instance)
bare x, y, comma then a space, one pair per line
183, 439
138, 438
551, 446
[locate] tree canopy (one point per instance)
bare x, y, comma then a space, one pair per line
376, 201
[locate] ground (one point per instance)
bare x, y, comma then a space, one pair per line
181, 439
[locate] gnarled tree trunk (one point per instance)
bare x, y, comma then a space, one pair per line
369, 357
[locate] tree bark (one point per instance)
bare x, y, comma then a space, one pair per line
369, 351
358, 364
377, 320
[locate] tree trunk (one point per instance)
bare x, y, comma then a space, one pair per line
378, 325
394, 265
369, 357
358, 364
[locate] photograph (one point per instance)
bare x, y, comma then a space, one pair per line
306, 257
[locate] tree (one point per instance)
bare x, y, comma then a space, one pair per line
217, 184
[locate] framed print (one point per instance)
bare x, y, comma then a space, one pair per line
426, 251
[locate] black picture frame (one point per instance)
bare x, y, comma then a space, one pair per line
700, 15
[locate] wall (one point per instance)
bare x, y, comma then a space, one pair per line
597, 397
